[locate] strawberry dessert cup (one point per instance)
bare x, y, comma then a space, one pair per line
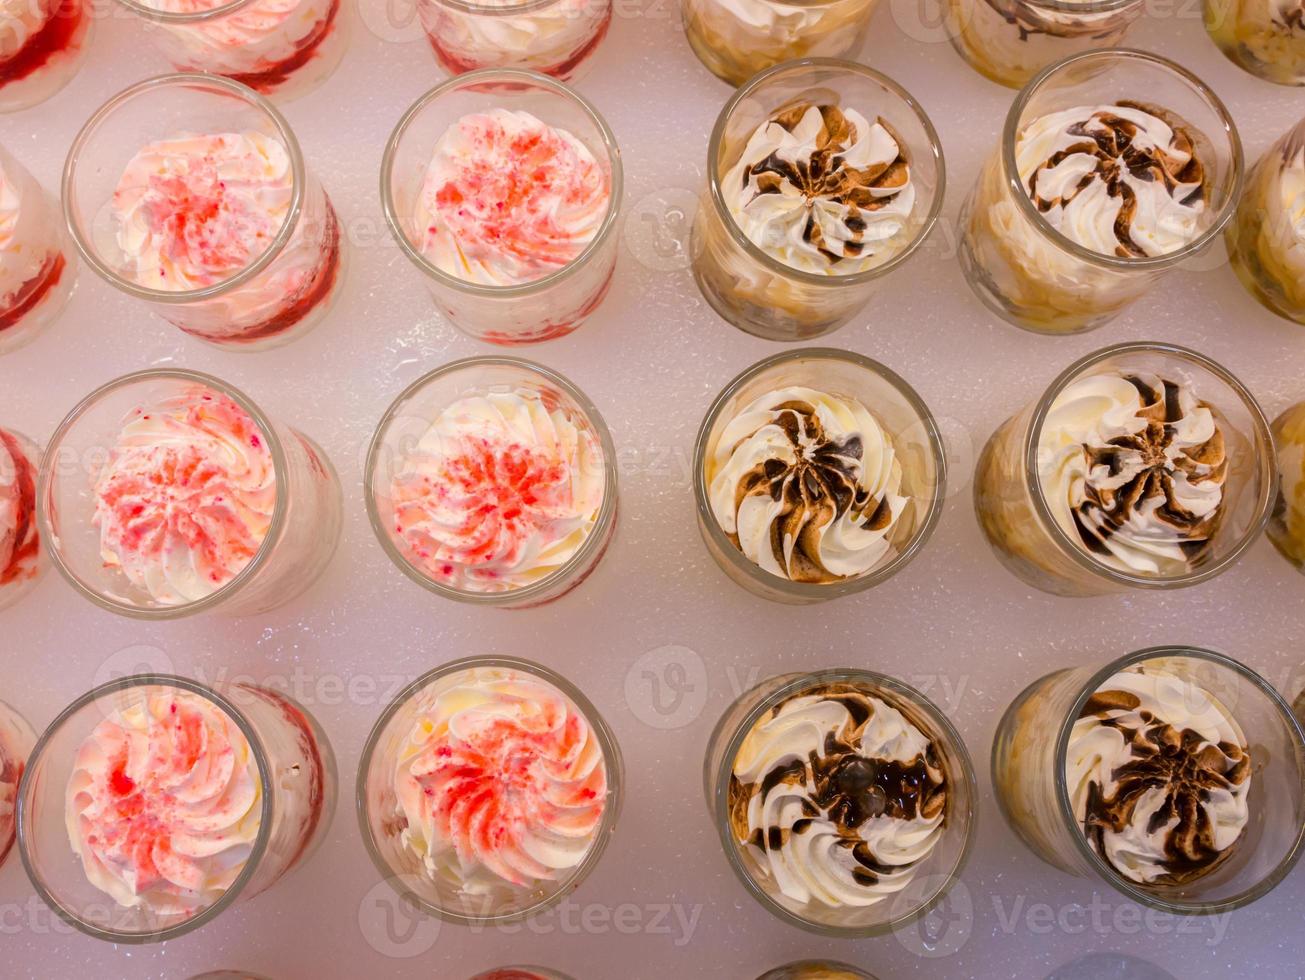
42, 45
22, 559
16, 741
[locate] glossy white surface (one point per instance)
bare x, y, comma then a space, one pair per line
658, 608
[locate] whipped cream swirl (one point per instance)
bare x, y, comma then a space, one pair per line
164, 803
1158, 773
508, 199
1122, 180
500, 491
808, 485
29, 235
20, 544
822, 190
1133, 467
186, 497
256, 38
837, 796
551, 39
501, 783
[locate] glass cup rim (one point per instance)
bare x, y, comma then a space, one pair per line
769, 262
1015, 186
280, 507
260, 845
800, 681
612, 763
812, 590
511, 9
194, 80
606, 511
523, 77
1089, 7
184, 17
1267, 465
1066, 808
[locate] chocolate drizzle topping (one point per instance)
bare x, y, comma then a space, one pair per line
1113, 140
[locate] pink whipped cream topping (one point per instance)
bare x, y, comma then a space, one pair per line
164, 803
508, 199
186, 498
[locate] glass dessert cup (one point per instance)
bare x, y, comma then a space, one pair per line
1287, 523
757, 291
1030, 274
37, 269
555, 37
228, 975
280, 804
43, 50
930, 857
475, 888
503, 313
905, 425
735, 39
520, 973
286, 501
816, 970
1266, 238
540, 553
22, 559
1263, 37
280, 48
1027, 530
240, 285
1031, 756
1010, 41
16, 741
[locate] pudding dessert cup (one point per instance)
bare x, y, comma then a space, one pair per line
488, 790
42, 46
190, 192
167, 493
1115, 167
153, 803
16, 742
554, 37
816, 970
22, 558
1287, 523
1264, 37
1174, 774
503, 187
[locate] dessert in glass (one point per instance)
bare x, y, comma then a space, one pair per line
488, 790
154, 802
1114, 168
16, 741
818, 473
22, 559
520, 973
493, 481
167, 493
844, 799
1010, 41
1266, 238
735, 39
42, 45
1265, 37
228, 975
1143, 466
503, 187
1176, 774
822, 177
37, 269
555, 37
283, 48
190, 192
1287, 523
816, 970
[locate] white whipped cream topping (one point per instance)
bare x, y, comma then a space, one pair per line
541, 39
779, 21
19, 20
29, 234
254, 38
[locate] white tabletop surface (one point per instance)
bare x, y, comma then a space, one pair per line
662, 902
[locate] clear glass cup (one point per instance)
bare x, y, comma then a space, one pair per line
38, 270
555, 37
1264, 37
277, 297
1031, 275
933, 874
43, 50
301, 535
1010, 41
735, 39
905, 419
16, 741
520, 973
1287, 523
22, 558
1018, 521
384, 824
816, 970
528, 313
296, 800
1266, 238
281, 48
1028, 772
399, 435
754, 290
228, 975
